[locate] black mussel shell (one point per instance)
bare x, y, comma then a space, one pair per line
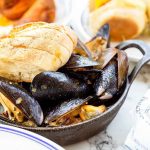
107, 82
81, 68
25, 85
22, 100
65, 108
57, 86
104, 32
77, 61
87, 74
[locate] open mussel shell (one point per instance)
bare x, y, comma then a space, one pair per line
106, 84
123, 66
81, 68
82, 49
57, 86
103, 33
114, 65
99, 42
77, 61
16, 100
93, 48
65, 108
107, 56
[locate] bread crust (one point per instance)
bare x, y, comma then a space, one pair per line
33, 48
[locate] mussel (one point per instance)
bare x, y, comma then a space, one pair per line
18, 105
72, 111
93, 48
81, 68
57, 86
77, 61
64, 112
107, 80
114, 65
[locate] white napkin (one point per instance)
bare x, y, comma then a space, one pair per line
139, 136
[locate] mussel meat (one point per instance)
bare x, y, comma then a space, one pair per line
89, 111
96, 45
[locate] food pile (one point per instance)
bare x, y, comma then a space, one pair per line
48, 77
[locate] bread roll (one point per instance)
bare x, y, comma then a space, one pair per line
127, 18
33, 48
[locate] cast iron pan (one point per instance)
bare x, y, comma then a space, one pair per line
74, 133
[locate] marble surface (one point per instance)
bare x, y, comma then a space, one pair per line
117, 131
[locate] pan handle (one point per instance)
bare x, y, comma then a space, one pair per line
145, 50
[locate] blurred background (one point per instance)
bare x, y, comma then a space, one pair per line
127, 18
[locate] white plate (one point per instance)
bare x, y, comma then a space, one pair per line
18, 139
79, 23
